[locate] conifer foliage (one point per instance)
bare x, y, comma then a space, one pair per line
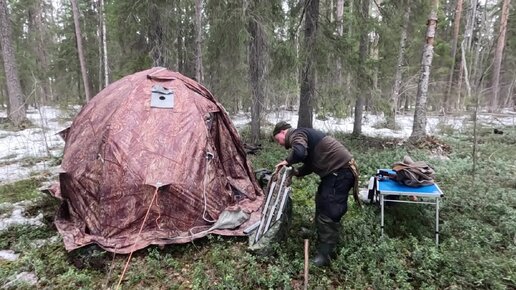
323, 58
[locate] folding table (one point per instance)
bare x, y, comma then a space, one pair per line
429, 194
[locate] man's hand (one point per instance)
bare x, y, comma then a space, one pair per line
279, 166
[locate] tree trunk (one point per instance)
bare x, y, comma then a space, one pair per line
4, 101
513, 93
40, 50
80, 51
181, 61
470, 24
340, 33
257, 67
156, 36
100, 73
198, 41
483, 48
406, 105
419, 125
396, 87
349, 36
497, 62
507, 101
307, 90
104, 43
16, 106
362, 80
471, 18
456, 27
374, 53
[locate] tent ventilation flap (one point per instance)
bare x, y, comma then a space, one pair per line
162, 97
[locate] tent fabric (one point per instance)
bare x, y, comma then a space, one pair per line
120, 153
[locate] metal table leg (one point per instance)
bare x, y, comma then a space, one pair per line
437, 221
382, 211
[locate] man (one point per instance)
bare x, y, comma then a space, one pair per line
328, 158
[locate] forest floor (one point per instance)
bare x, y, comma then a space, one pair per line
478, 217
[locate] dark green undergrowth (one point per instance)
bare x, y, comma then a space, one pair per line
20, 190
477, 241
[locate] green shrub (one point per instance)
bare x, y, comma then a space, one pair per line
478, 226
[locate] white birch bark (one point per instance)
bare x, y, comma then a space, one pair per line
104, 43
419, 124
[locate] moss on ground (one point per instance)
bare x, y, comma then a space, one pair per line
478, 226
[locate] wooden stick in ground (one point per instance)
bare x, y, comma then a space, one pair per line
306, 264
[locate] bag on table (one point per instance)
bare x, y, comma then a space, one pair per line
413, 173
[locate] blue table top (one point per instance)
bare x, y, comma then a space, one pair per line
393, 187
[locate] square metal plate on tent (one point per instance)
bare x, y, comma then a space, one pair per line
162, 97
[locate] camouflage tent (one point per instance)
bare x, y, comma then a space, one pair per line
153, 159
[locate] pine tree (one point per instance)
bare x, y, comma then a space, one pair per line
307, 90
362, 77
497, 62
80, 51
257, 65
16, 106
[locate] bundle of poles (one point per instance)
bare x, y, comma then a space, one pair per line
278, 191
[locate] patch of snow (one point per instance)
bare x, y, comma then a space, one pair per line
16, 171
32, 142
23, 278
240, 119
40, 141
8, 255
508, 111
43, 242
17, 217
43, 141
372, 125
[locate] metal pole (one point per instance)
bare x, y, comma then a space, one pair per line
382, 200
273, 209
278, 197
283, 201
306, 264
251, 228
437, 221
264, 211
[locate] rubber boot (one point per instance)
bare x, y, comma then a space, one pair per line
325, 253
328, 236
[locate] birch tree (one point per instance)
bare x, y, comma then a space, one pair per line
470, 24
419, 124
105, 63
